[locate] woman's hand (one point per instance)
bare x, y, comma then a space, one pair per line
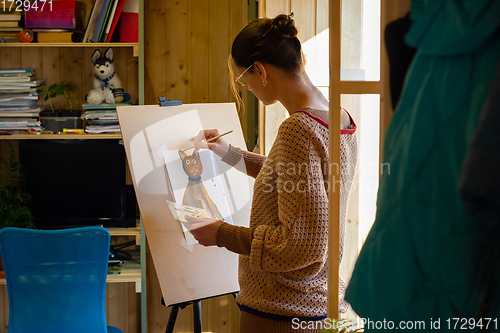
219, 146
204, 229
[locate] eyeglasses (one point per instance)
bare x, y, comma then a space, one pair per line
240, 77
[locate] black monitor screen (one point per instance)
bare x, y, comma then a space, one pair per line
77, 182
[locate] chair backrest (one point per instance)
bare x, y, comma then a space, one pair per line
56, 279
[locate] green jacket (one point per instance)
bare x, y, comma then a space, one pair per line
426, 258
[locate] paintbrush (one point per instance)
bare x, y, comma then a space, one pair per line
211, 139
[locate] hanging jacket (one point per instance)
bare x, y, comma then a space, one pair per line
426, 257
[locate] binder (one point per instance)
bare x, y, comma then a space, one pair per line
115, 19
109, 21
94, 15
100, 21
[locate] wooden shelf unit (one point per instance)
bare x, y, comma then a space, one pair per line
59, 136
72, 62
70, 45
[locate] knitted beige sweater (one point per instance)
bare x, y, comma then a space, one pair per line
283, 254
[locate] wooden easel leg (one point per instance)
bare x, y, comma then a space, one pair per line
171, 319
197, 316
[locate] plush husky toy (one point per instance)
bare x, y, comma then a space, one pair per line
105, 75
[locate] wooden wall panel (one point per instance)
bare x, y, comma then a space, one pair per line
71, 72
177, 60
121, 306
199, 66
155, 50
10, 58
51, 72
187, 47
219, 51
237, 20
72, 64
186, 51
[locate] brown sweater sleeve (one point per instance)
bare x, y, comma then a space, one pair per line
234, 238
252, 162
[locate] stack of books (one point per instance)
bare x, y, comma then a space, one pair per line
101, 118
9, 26
19, 108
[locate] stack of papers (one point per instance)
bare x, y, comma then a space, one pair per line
13, 124
19, 100
101, 118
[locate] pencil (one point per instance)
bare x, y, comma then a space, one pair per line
212, 139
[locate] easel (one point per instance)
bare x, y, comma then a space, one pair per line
196, 314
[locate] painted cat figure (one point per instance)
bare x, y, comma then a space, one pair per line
196, 194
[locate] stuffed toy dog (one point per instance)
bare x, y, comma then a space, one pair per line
105, 75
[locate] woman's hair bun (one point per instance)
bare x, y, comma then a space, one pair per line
284, 26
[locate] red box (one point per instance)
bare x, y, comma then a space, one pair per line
64, 14
127, 28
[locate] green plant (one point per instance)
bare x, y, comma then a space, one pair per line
14, 210
61, 88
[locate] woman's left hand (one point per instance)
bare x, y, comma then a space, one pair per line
204, 229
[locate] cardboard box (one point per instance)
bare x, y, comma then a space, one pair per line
64, 14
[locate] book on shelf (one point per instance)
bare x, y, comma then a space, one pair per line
102, 129
20, 129
15, 79
16, 72
10, 17
98, 115
12, 30
103, 121
9, 24
127, 29
115, 19
7, 114
14, 85
16, 90
22, 109
109, 21
100, 21
106, 18
18, 103
111, 106
91, 24
7, 89
10, 122
55, 37
18, 112
9, 37
9, 97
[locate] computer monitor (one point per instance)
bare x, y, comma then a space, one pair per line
75, 182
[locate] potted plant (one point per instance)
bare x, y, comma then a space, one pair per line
56, 121
14, 209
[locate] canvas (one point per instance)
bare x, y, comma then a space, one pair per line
196, 181
150, 130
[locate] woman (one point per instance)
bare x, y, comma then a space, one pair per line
283, 254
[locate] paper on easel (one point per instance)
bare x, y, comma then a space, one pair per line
196, 181
179, 211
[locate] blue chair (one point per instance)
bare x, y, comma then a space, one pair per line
56, 279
